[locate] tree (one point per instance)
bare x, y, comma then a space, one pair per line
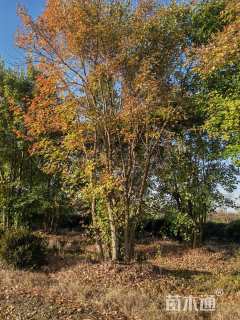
205, 20
26, 193
106, 98
219, 64
224, 46
188, 178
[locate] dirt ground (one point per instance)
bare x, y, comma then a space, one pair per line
75, 286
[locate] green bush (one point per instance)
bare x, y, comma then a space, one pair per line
23, 249
214, 230
155, 227
180, 225
232, 231
175, 225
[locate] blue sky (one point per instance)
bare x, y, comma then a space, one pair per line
9, 22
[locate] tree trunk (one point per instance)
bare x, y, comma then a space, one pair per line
113, 231
4, 219
129, 242
194, 240
99, 245
201, 233
126, 242
127, 233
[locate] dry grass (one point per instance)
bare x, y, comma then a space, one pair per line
224, 217
115, 291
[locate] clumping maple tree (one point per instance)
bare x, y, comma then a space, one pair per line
106, 99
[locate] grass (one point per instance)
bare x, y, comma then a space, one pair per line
75, 287
224, 217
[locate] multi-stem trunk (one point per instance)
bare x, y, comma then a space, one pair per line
130, 222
